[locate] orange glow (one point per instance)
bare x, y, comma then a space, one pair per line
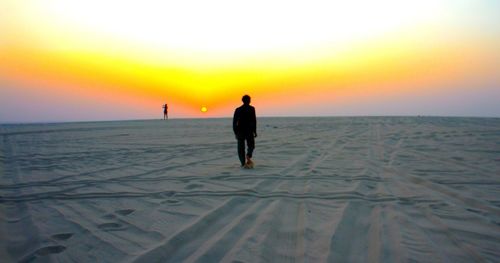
366, 71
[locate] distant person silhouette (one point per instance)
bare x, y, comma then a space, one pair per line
165, 111
245, 129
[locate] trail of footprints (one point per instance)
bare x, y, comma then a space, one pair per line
57, 247
60, 239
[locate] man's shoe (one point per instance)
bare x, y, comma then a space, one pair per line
249, 164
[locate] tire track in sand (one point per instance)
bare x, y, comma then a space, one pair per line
177, 248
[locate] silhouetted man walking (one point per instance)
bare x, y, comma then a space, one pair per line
245, 129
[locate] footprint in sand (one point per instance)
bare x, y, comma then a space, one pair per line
111, 227
109, 216
13, 220
476, 211
39, 254
62, 236
125, 212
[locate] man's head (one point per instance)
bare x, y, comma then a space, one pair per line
246, 99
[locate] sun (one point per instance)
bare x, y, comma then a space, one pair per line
203, 109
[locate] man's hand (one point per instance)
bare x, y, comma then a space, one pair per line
255, 135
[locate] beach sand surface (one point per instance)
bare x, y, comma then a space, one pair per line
351, 189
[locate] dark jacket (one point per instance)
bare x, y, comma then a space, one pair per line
244, 120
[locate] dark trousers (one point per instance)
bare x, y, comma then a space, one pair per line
241, 146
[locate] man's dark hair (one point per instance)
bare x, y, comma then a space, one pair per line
246, 99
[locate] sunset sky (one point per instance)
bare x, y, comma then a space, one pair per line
65, 60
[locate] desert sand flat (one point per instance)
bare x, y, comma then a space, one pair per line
374, 189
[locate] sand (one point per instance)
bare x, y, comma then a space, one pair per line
378, 189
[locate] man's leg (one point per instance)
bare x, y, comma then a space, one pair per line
241, 150
251, 145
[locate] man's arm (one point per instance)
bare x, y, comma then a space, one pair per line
254, 119
235, 120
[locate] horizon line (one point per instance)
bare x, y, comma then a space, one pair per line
264, 116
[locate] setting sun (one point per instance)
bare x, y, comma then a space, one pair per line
204, 109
